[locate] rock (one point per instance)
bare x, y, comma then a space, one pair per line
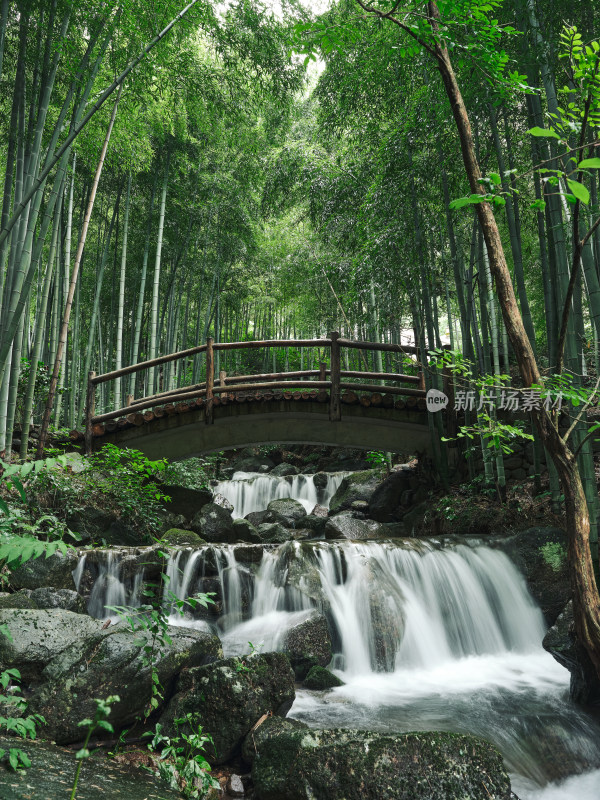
283, 469
319, 678
20, 599
176, 537
245, 531
248, 553
320, 480
319, 511
55, 571
540, 554
388, 496
67, 599
111, 661
300, 764
308, 644
52, 771
344, 460
95, 524
235, 786
256, 518
252, 464
562, 643
273, 533
214, 524
230, 696
315, 523
345, 526
269, 727
356, 486
286, 512
513, 462
221, 500
413, 518
184, 501
359, 505
38, 636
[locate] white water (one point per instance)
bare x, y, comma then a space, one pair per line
426, 637
252, 491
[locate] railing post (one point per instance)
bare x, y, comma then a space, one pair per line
322, 371
335, 408
90, 410
128, 400
222, 378
210, 381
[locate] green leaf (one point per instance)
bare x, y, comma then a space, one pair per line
589, 163
579, 190
81, 754
537, 131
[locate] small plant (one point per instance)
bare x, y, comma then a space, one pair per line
554, 554
182, 763
23, 726
99, 721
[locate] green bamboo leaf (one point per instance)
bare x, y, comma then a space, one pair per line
537, 131
579, 190
589, 163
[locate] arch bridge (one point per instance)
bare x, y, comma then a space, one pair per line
329, 406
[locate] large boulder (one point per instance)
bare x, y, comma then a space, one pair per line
385, 504
230, 696
273, 533
37, 636
20, 599
108, 662
283, 470
562, 643
347, 526
214, 524
252, 463
184, 501
286, 511
52, 771
95, 524
67, 599
293, 763
245, 531
55, 571
356, 486
541, 554
308, 644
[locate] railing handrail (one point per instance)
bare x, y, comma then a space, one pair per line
252, 345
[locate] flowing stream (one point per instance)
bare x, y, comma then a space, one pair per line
252, 491
426, 636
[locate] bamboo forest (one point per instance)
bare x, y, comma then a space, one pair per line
299, 399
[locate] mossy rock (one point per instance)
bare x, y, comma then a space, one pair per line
356, 486
299, 764
320, 678
177, 536
230, 696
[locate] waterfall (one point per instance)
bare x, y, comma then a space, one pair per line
110, 589
251, 491
387, 606
426, 636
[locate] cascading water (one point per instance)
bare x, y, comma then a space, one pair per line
426, 636
251, 491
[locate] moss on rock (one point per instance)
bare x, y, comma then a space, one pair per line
319, 678
301, 764
177, 536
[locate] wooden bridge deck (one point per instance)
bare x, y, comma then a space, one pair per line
325, 406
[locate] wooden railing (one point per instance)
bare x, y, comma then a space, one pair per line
325, 378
